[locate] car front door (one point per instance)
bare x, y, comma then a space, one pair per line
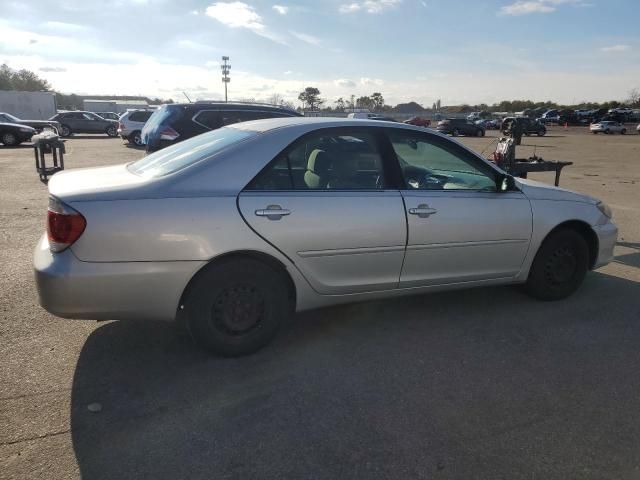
460, 227
325, 204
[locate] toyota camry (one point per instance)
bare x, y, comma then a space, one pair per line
234, 230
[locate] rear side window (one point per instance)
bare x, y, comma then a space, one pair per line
140, 116
164, 114
184, 154
336, 159
209, 118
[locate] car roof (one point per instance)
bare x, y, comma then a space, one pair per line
318, 122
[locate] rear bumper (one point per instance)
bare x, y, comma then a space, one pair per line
70, 288
607, 238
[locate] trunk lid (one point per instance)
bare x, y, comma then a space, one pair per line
100, 183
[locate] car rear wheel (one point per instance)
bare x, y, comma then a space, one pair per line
9, 139
135, 139
112, 131
479, 133
65, 131
623, 131
236, 307
559, 266
607, 131
542, 133
455, 132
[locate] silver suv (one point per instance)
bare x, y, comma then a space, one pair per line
130, 124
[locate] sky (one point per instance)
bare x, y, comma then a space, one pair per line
464, 51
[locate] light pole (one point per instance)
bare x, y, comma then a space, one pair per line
225, 67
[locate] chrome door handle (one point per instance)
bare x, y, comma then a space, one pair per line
273, 212
423, 211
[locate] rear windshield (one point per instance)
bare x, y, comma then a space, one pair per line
183, 154
162, 114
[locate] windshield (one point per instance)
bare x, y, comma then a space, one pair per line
184, 154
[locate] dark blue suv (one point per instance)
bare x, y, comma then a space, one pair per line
175, 122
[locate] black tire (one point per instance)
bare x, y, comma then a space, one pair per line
595, 133
236, 307
455, 132
479, 133
623, 131
65, 131
9, 139
542, 133
135, 138
559, 267
112, 131
607, 131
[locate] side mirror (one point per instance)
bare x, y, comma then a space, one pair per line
505, 183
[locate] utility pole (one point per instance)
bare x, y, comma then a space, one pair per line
225, 67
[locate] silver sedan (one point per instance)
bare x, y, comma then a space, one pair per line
235, 230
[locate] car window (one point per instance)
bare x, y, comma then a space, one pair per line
209, 118
139, 116
429, 163
184, 154
328, 160
88, 116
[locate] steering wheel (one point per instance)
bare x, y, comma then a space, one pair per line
419, 178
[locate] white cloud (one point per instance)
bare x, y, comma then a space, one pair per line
370, 6
344, 83
305, 37
288, 72
241, 15
525, 7
616, 48
371, 81
281, 9
64, 26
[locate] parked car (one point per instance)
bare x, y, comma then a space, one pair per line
549, 117
607, 126
529, 127
176, 122
85, 122
418, 121
460, 126
109, 115
488, 124
248, 223
130, 125
12, 134
38, 125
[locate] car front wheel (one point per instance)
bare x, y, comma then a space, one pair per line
112, 131
236, 307
455, 132
623, 131
135, 139
559, 266
542, 133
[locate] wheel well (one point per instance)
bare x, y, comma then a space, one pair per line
587, 233
272, 262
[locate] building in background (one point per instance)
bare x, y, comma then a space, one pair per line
116, 106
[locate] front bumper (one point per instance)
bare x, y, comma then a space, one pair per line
607, 238
70, 288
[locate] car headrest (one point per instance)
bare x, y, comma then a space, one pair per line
319, 162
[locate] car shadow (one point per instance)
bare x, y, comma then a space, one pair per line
89, 136
17, 147
457, 381
629, 259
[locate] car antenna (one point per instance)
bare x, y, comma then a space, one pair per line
187, 97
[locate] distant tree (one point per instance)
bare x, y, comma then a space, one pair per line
378, 101
23, 80
311, 98
287, 104
364, 102
275, 99
340, 104
634, 98
438, 104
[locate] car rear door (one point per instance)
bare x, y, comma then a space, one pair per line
460, 228
325, 204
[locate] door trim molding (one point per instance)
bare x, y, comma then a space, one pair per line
466, 244
349, 251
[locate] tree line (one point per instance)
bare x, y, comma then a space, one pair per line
28, 81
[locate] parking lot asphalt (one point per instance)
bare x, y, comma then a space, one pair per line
476, 384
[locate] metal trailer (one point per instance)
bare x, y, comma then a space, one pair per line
28, 105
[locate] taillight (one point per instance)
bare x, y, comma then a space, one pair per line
121, 125
168, 133
64, 225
